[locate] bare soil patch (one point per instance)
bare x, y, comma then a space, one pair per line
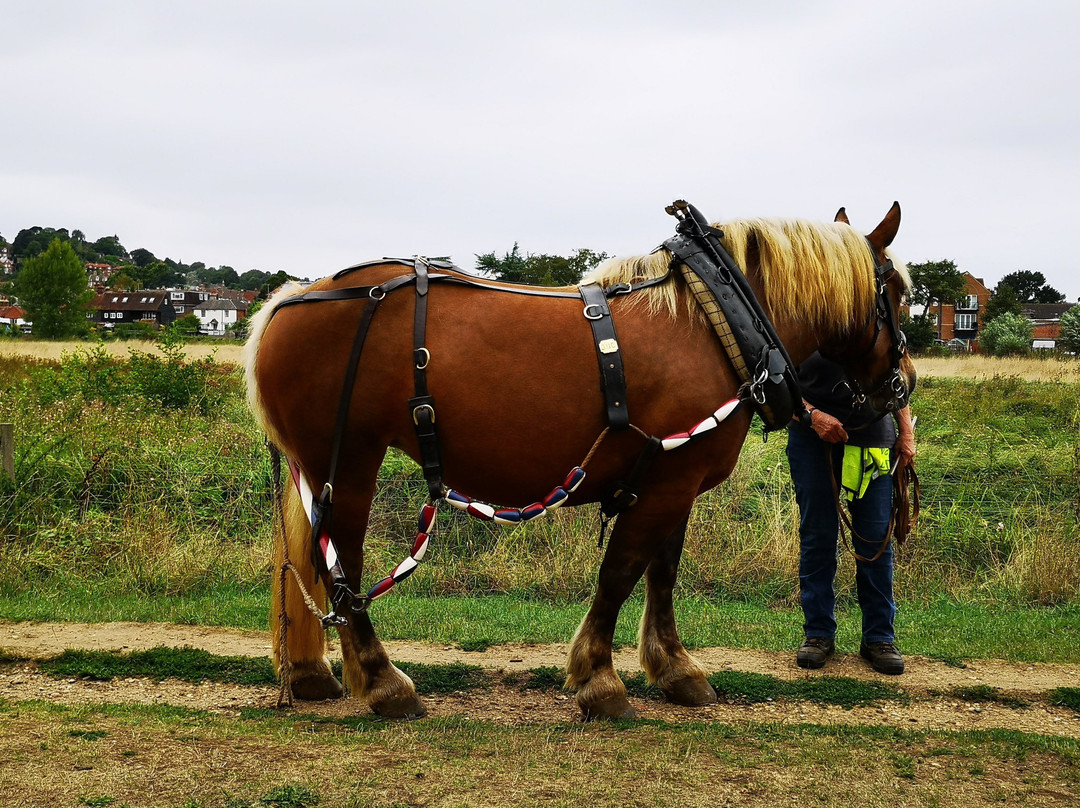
927, 681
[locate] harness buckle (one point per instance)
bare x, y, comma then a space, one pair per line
423, 358
417, 410
593, 307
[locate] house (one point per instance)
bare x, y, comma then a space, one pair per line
97, 275
185, 300
215, 316
242, 299
1047, 320
964, 319
112, 308
12, 317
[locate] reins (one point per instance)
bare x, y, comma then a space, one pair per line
903, 514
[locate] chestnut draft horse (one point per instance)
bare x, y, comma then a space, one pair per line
514, 376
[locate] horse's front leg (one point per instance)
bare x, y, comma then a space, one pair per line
663, 657
590, 670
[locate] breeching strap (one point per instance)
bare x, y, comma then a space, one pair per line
422, 405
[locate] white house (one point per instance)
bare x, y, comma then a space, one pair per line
12, 317
215, 316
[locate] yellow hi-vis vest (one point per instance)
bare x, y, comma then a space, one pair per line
860, 466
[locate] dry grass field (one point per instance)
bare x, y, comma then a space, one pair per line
972, 366
223, 352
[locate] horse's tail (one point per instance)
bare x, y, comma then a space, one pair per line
257, 327
305, 638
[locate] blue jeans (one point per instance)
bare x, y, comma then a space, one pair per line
809, 458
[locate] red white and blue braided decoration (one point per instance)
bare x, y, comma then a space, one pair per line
477, 509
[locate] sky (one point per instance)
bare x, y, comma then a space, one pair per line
306, 137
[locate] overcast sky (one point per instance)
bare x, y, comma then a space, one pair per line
309, 136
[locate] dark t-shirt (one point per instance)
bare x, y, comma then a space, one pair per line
825, 386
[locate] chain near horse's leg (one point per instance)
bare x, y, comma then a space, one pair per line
663, 657
311, 677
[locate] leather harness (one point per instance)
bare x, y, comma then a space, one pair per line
750, 340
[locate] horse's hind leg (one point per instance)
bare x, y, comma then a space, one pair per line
369, 673
305, 639
663, 657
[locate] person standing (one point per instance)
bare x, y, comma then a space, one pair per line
856, 448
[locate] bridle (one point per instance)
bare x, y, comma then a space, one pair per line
885, 316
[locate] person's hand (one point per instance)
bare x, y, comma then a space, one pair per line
827, 427
905, 437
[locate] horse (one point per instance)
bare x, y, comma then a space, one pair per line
514, 373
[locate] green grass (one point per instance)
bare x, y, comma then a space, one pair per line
188, 664
1066, 697
131, 507
943, 629
456, 761
193, 665
757, 688
196, 666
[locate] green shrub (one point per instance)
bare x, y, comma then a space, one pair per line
1007, 334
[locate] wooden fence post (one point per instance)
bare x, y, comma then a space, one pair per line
7, 450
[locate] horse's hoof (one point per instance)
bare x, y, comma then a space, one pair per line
609, 709
405, 707
317, 687
691, 692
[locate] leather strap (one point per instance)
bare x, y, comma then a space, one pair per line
324, 502
422, 405
608, 354
755, 349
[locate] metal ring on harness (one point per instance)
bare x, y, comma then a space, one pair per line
593, 307
381, 293
423, 358
416, 410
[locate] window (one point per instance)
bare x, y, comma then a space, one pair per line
968, 303
965, 322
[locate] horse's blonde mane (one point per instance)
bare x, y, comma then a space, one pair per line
811, 272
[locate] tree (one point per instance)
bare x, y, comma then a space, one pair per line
1007, 334
273, 282
1003, 301
52, 288
253, 279
1031, 287
1070, 330
111, 248
155, 275
142, 257
539, 270
188, 325
919, 332
935, 282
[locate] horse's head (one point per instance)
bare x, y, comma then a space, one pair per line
876, 356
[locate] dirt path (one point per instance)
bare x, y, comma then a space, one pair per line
925, 681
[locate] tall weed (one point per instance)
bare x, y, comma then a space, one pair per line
151, 473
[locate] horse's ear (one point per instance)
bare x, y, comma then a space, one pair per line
885, 232
841, 216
